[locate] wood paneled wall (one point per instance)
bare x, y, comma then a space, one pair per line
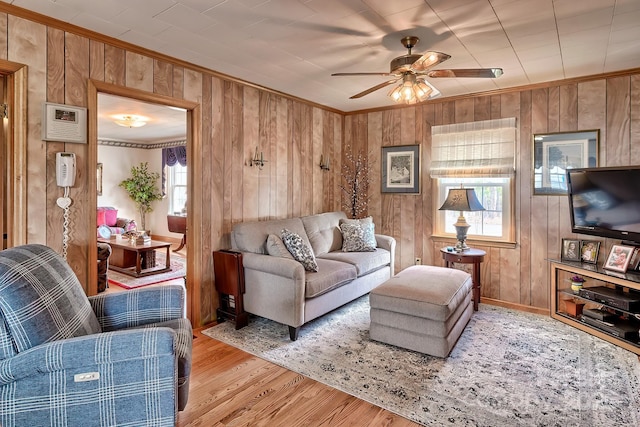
235, 119
517, 275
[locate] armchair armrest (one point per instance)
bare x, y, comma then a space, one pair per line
138, 307
86, 353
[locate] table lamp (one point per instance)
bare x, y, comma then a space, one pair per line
461, 199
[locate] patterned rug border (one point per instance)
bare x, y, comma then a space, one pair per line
491, 377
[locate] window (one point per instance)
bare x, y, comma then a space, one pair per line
478, 155
177, 185
494, 223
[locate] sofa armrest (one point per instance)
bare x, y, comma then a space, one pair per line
138, 307
274, 288
285, 267
388, 243
87, 353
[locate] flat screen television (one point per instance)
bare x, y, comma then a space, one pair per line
605, 202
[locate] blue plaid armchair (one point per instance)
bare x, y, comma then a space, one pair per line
68, 360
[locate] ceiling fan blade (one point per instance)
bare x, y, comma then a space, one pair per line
428, 60
373, 89
362, 74
467, 72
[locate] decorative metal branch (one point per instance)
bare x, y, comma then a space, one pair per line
356, 179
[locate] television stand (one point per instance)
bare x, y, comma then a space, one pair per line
607, 319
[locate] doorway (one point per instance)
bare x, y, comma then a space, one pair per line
191, 111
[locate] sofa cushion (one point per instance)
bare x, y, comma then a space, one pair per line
323, 232
300, 250
330, 275
252, 236
357, 237
276, 247
100, 218
364, 262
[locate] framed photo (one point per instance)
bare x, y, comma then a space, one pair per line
619, 258
570, 250
99, 179
554, 153
589, 250
64, 123
401, 169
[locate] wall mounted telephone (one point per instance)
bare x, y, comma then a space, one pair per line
65, 169
65, 177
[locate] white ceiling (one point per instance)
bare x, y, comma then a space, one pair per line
294, 45
165, 124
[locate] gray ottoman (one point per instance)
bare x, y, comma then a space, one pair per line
422, 308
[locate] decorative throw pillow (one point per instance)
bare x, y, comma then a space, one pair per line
370, 233
356, 237
300, 250
110, 217
100, 217
276, 247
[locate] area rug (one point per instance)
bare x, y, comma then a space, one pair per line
178, 269
509, 368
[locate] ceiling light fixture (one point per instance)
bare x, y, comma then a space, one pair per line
130, 120
412, 90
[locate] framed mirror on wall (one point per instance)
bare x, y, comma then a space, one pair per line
554, 153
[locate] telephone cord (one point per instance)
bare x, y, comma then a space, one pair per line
65, 227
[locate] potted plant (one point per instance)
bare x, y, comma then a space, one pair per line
576, 283
142, 189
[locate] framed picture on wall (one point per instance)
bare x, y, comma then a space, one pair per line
554, 153
401, 169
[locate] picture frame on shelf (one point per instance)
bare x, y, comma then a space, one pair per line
401, 169
554, 153
619, 258
570, 250
634, 263
589, 250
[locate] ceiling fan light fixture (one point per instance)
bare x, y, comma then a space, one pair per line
411, 90
130, 120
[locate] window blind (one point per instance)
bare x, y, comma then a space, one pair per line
484, 148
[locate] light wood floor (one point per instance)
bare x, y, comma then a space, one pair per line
232, 388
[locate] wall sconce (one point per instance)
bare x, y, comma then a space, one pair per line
324, 163
257, 160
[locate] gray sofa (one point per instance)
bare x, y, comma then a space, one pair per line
280, 289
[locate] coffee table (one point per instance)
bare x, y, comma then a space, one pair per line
128, 258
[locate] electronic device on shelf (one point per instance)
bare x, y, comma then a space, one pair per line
605, 202
622, 329
599, 314
623, 300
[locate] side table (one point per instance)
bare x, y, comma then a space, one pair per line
470, 256
229, 280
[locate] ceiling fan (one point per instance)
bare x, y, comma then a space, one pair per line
410, 68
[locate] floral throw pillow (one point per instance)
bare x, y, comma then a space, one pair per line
300, 251
357, 237
368, 226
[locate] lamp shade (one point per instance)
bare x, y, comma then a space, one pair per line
462, 199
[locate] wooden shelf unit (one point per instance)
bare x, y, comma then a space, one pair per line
560, 273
